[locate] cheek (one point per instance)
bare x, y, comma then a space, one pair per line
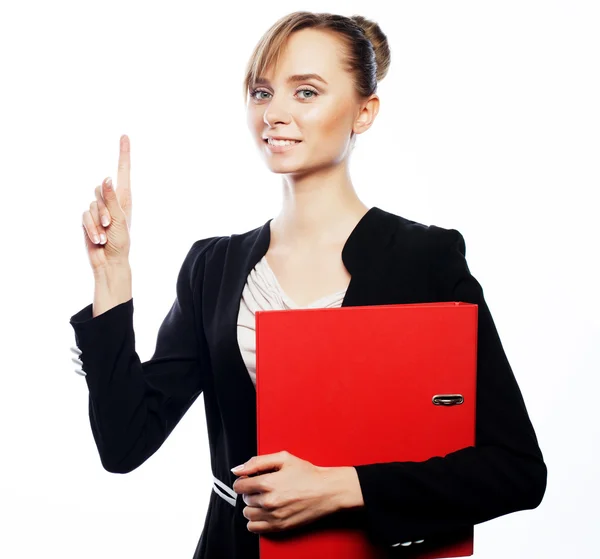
254, 122
326, 123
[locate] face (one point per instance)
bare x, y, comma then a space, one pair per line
322, 116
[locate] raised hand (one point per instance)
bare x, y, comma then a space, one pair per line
106, 224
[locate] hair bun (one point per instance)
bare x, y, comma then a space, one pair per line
379, 41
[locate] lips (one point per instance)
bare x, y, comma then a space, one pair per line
274, 148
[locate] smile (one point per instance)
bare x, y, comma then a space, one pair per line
281, 147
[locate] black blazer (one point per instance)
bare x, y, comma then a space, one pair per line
134, 406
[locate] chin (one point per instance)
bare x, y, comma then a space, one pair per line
290, 171
283, 166
281, 170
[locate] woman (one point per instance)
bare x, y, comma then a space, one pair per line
324, 249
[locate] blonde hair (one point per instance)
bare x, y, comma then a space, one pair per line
365, 47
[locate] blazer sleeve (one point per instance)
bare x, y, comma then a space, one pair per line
134, 406
504, 472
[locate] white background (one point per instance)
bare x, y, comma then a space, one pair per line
489, 123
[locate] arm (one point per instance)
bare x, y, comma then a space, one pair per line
504, 472
134, 406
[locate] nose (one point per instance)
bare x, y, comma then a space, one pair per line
276, 113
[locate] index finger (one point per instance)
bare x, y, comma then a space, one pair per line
123, 190
124, 164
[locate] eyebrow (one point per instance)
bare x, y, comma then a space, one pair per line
295, 78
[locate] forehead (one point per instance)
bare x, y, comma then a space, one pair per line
309, 51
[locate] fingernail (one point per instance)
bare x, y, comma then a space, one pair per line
105, 220
108, 182
238, 468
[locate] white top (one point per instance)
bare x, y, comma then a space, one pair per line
263, 292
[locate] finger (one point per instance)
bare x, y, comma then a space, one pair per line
110, 200
250, 485
124, 176
86, 237
124, 163
96, 219
90, 227
262, 463
256, 514
102, 209
253, 499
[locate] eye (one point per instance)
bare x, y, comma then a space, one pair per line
314, 93
253, 93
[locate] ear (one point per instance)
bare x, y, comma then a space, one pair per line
366, 115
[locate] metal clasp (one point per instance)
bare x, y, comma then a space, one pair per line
447, 399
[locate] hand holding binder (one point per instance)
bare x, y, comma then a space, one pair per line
296, 496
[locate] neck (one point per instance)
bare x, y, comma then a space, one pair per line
319, 209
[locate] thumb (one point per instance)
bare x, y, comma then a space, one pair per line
110, 199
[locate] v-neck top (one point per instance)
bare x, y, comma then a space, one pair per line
263, 291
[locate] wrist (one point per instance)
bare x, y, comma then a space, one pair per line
343, 488
118, 266
116, 274
113, 286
